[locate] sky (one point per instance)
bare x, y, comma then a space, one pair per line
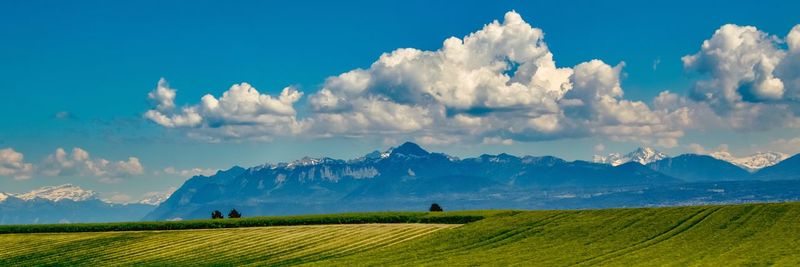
132, 98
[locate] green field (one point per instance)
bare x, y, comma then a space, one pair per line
738, 235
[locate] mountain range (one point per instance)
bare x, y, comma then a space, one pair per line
64, 204
642, 155
646, 155
753, 162
408, 177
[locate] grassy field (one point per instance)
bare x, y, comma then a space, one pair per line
736, 235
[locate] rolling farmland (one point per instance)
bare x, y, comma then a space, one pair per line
239, 246
731, 235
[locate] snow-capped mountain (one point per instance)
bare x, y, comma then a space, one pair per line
58, 193
405, 178
753, 162
155, 199
642, 155
65, 204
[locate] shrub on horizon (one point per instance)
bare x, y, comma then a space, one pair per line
435, 208
216, 215
234, 214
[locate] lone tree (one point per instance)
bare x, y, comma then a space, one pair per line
435, 207
216, 215
234, 214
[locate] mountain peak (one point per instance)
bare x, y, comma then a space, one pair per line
646, 155
409, 149
61, 192
642, 155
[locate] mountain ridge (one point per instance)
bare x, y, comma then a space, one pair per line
399, 178
407, 177
753, 162
642, 155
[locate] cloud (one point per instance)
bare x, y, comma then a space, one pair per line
498, 83
241, 112
80, 163
116, 197
12, 164
741, 61
752, 81
437, 140
789, 146
599, 148
700, 150
497, 141
163, 96
62, 115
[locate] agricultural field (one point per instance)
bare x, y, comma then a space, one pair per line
732, 235
276, 245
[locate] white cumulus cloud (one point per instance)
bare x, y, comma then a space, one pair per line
241, 112
753, 82
80, 163
12, 164
499, 84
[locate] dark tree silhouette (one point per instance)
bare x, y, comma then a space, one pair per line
216, 215
234, 214
435, 207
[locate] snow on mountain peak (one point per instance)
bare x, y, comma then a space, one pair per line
306, 161
58, 193
642, 155
155, 198
753, 162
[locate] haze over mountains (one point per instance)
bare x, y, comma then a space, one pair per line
408, 177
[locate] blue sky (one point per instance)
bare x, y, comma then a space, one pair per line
78, 74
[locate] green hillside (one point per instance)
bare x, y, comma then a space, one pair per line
753, 234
